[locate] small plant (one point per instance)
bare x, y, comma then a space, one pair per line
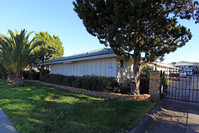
144, 79
165, 83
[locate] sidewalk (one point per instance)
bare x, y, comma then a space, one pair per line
5, 124
171, 116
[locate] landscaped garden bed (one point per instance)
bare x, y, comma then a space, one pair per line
36, 108
96, 93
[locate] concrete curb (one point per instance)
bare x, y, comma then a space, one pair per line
148, 120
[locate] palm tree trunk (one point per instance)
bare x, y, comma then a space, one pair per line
10, 78
18, 81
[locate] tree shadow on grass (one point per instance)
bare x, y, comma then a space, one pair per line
37, 108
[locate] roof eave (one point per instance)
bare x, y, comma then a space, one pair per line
81, 59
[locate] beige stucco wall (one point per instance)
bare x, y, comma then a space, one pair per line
108, 67
124, 74
97, 67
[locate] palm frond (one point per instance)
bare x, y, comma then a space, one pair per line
15, 50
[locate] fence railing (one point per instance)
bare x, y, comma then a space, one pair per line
181, 84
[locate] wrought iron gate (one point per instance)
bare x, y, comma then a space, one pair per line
180, 85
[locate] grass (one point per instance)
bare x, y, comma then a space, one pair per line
36, 108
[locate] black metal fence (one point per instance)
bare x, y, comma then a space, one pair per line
180, 84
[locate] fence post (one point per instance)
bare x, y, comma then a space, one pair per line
154, 84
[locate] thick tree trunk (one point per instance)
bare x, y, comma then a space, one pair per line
135, 84
18, 81
10, 78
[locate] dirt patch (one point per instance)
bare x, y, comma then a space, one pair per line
53, 99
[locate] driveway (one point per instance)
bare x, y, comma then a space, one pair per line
171, 116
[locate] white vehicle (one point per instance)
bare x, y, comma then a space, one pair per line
183, 74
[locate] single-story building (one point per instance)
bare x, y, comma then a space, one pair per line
186, 66
162, 67
101, 62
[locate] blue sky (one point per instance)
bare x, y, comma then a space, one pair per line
57, 17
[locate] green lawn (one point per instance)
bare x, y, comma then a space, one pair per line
36, 108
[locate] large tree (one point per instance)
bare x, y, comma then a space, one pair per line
15, 52
132, 27
51, 47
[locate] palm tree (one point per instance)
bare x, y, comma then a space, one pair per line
2, 69
15, 53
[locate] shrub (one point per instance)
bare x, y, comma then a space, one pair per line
33, 75
25, 74
125, 90
144, 79
165, 83
95, 83
44, 78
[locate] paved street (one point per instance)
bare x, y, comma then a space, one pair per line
185, 89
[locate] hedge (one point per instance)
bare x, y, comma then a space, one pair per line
144, 79
95, 83
33, 75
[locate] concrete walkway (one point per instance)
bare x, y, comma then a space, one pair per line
171, 116
5, 125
